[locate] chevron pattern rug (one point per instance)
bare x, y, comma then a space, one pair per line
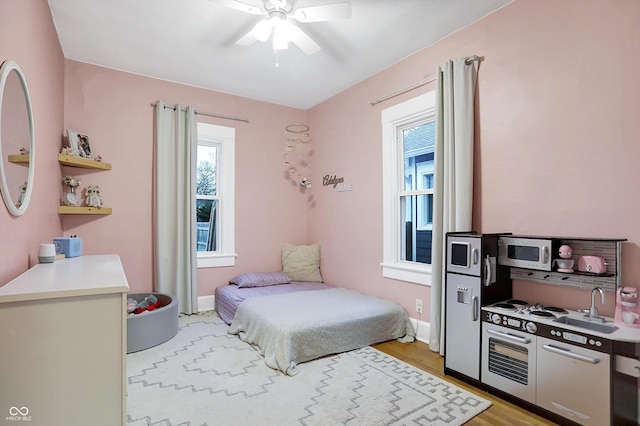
204, 376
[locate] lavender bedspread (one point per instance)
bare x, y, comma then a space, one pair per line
229, 297
288, 329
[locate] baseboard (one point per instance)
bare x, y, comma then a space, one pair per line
422, 330
206, 303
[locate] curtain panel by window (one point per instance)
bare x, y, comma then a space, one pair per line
453, 174
174, 205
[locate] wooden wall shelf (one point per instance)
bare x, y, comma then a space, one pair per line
83, 163
73, 161
83, 210
19, 159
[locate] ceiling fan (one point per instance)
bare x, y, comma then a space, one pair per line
279, 20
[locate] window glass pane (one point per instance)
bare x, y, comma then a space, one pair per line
417, 148
206, 174
206, 224
427, 180
416, 232
206, 198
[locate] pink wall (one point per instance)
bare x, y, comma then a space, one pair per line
557, 147
114, 109
556, 99
28, 37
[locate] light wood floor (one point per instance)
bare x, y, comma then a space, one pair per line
501, 413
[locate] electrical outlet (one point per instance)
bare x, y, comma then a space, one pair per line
419, 306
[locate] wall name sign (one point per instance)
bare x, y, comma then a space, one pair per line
336, 182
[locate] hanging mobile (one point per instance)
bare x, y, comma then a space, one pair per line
298, 138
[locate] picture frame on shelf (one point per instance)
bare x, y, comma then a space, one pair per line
80, 144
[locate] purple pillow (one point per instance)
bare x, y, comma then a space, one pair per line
260, 279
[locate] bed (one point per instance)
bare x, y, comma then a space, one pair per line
228, 297
297, 322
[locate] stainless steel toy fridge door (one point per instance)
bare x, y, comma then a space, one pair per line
462, 325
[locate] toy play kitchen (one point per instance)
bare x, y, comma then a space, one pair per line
572, 367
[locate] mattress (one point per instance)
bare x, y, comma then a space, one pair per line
229, 297
288, 329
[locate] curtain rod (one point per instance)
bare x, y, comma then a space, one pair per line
427, 80
208, 114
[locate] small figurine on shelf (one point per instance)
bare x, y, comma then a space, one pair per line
24, 151
93, 196
67, 150
70, 199
98, 158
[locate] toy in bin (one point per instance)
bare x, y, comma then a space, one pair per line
70, 247
149, 303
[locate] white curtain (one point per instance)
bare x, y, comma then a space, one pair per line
174, 205
456, 81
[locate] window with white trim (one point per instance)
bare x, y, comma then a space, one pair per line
408, 188
215, 198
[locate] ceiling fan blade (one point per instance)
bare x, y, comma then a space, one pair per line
243, 7
303, 41
327, 12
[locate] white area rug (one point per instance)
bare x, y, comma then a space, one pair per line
204, 376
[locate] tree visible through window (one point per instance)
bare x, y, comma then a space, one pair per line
206, 197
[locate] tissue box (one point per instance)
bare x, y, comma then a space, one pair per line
70, 247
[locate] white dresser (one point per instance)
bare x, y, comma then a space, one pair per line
63, 344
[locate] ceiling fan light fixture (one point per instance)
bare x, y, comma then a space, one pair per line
279, 42
282, 19
262, 30
283, 34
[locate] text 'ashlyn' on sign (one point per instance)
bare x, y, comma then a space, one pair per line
336, 182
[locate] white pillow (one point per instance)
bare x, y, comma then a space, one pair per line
302, 263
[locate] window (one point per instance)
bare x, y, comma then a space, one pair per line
215, 224
408, 189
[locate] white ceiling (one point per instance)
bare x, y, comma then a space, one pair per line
193, 42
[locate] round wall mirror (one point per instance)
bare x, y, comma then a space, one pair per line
17, 142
